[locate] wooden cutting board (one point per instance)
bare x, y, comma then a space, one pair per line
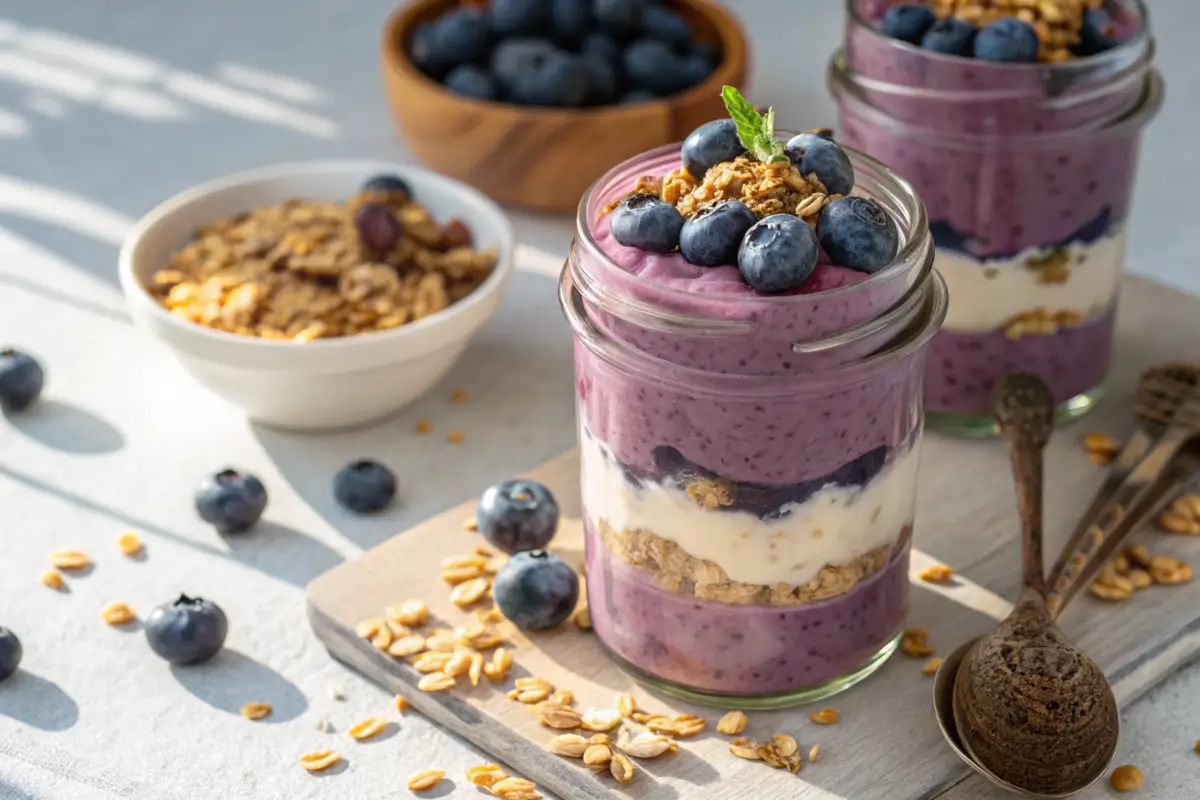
886, 746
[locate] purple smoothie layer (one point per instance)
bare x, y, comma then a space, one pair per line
964, 367
739, 649
960, 95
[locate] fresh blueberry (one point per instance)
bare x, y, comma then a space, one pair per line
692, 70
951, 36
602, 81
378, 228
364, 486
517, 515
231, 501
713, 235
1008, 39
637, 96
560, 80
1097, 34
652, 65
188, 631
519, 17
708, 51
462, 36
391, 184
471, 81
601, 46
778, 253
536, 590
712, 143
513, 58
646, 222
857, 233
813, 153
571, 20
424, 51
621, 18
21, 380
908, 22
666, 26
10, 652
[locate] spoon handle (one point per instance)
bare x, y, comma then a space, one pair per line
1024, 411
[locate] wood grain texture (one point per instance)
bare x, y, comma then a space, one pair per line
887, 746
545, 158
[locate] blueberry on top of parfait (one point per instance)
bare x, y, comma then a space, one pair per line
950, 36
821, 156
857, 233
908, 22
1098, 33
1007, 40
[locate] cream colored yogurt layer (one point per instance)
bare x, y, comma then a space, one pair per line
834, 526
985, 295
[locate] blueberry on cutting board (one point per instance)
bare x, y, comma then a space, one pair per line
231, 501
536, 590
189, 630
517, 515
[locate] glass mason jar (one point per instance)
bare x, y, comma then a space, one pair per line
1027, 174
748, 462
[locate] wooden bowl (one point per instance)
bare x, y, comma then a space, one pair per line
544, 158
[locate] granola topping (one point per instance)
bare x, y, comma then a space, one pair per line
1057, 22
299, 271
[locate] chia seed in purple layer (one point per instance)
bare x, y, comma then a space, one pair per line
733, 649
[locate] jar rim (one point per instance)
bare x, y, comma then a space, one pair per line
915, 336
1142, 38
900, 190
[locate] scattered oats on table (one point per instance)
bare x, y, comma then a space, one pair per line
931, 666
1183, 516
256, 710
54, 579
319, 760
456, 437
826, 716
914, 642
70, 559
426, 779
130, 544
733, 723
485, 775
117, 614
458, 395
1100, 447
1126, 778
298, 271
937, 573
423, 426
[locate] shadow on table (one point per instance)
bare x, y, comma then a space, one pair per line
271, 548
63, 426
518, 412
10, 792
37, 702
233, 679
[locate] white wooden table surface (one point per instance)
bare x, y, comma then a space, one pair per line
106, 107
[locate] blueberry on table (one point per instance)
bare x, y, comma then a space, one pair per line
517, 515
1097, 34
536, 590
471, 81
647, 222
462, 36
391, 184
666, 26
601, 46
189, 630
814, 153
231, 501
1009, 40
571, 20
559, 80
378, 229
653, 65
621, 18
908, 22
10, 652
519, 17
778, 253
364, 486
21, 380
712, 236
950, 36
857, 233
712, 143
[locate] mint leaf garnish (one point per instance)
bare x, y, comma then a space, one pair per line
755, 131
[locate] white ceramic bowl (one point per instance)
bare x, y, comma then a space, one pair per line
328, 383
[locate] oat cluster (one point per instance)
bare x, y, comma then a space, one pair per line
676, 570
298, 271
1051, 268
1040, 322
1057, 22
775, 188
1183, 516
1136, 568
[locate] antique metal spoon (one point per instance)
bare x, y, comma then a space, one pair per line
1030, 710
